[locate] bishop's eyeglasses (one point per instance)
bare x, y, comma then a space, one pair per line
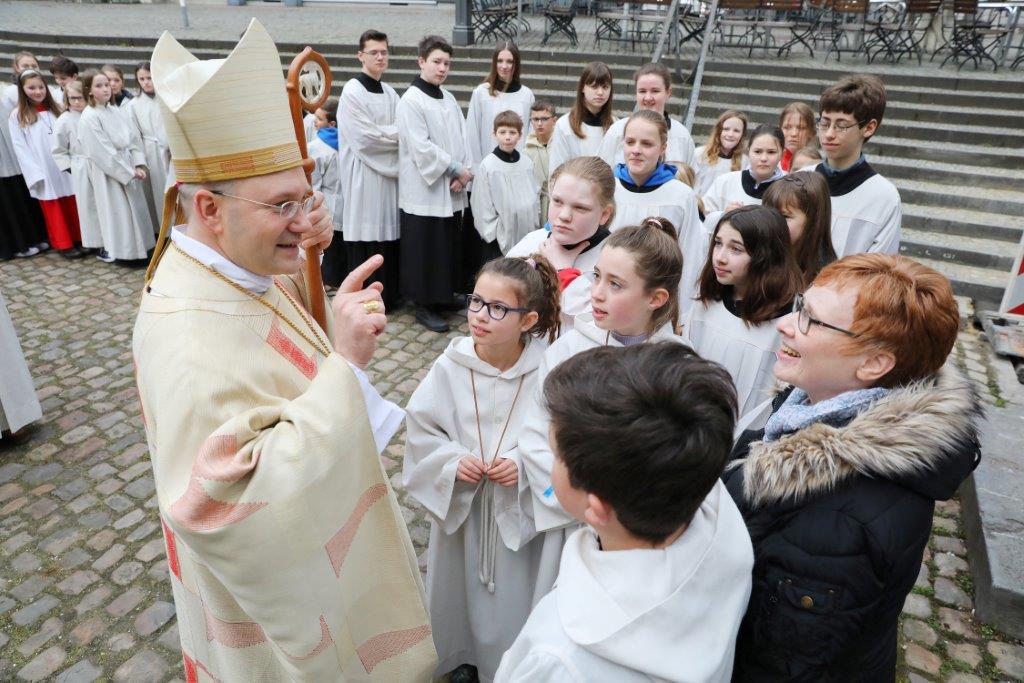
286, 210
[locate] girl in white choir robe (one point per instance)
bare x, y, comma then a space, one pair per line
748, 282
144, 112
582, 204
581, 131
506, 196
68, 155
501, 91
462, 464
746, 187
31, 127
646, 186
634, 288
724, 153
25, 60
116, 167
653, 90
120, 96
803, 200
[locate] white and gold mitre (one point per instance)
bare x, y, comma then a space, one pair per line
225, 118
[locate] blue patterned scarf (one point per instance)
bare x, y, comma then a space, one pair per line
796, 413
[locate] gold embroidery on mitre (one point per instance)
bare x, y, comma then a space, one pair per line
239, 164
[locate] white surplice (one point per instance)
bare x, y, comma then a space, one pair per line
68, 155
707, 172
145, 114
113, 150
505, 200
432, 136
634, 616
483, 107
575, 297
326, 179
18, 403
675, 201
369, 163
564, 144
725, 190
748, 353
32, 146
679, 150
480, 561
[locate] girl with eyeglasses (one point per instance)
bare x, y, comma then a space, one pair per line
117, 168
839, 486
748, 281
463, 464
70, 157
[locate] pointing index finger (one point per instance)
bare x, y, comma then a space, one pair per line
354, 281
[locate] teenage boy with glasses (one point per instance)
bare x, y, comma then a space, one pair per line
866, 209
542, 125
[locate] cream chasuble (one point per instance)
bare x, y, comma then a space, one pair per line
288, 555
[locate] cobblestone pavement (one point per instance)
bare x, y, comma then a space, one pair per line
85, 592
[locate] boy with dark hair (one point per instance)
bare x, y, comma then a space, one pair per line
63, 70
434, 170
866, 209
323, 150
542, 125
657, 583
505, 194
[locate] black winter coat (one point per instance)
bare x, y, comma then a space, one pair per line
839, 517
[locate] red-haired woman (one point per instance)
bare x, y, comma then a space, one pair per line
839, 487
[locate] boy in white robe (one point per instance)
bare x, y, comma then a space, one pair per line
369, 169
505, 194
434, 170
655, 587
542, 125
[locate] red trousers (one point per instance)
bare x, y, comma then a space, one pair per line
61, 216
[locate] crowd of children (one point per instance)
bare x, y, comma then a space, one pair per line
624, 294
84, 163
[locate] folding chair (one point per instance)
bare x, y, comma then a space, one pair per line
738, 24
610, 16
558, 18
847, 27
905, 33
791, 16
975, 33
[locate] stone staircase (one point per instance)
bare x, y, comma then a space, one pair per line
952, 142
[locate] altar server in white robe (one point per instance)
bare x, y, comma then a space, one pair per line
31, 128
655, 586
724, 152
117, 169
653, 89
69, 156
633, 295
144, 113
746, 187
18, 403
462, 464
369, 167
581, 207
581, 131
501, 91
434, 171
646, 186
323, 150
505, 195
748, 281
25, 60
120, 96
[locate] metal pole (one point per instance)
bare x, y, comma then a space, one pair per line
184, 14
698, 72
666, 28
462, 32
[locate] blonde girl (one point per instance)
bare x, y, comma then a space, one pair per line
724, 152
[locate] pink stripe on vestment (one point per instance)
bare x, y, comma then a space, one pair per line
337, 548
196, 510
219, 460
230, 634
287, 348
391, 644
325, 641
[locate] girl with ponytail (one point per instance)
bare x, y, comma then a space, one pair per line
462, 463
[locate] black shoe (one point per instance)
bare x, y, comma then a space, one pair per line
466, 673
431, 320
71, 253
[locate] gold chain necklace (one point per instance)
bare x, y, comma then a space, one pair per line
316, 342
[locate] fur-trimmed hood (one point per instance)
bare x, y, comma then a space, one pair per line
922, 436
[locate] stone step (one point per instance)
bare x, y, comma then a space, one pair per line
984, 284
953, 174
998, 227
979, 199
970, 251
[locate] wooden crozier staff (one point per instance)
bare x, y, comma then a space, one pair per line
300, 100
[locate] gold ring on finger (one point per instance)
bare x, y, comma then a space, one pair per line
371, 306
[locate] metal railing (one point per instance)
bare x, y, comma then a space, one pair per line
671, 43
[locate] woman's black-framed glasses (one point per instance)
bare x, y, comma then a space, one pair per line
804, 319
495, 310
